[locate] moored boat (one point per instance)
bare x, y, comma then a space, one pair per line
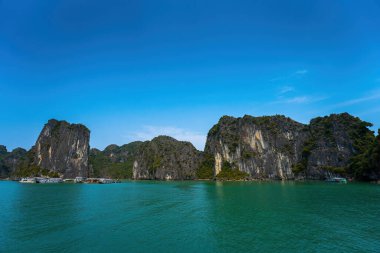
337, 180
28, 180
54, 180
46, 180
80, 179
105, 181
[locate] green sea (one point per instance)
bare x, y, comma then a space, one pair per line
149, 216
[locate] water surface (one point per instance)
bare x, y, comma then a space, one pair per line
190, 217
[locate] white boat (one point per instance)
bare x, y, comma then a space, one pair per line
28, 180
337, 180
80, 179
41, 180
105, 181
54, 180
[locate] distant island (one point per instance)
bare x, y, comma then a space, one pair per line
247, 148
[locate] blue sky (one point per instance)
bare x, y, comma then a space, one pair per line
131, 70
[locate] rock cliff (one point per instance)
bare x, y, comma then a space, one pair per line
268, 147
277, 147
10, 161
263, 147
334, 141
165, 158
63, 148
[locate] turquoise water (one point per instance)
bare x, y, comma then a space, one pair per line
190, 217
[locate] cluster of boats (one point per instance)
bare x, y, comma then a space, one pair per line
78, 180
337, 180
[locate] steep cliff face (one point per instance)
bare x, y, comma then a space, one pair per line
334, 141
63, 148
263, 147
10, 161
114, 161
277, 147
165, 158
4, 170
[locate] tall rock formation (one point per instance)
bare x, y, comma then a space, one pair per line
334, 141
10, 161
63, 148
277, 147
4, 170
263, 147
165, 158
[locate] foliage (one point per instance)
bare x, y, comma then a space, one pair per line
299, 167
102, 166
114, 161
229, 172
336, 170
248, 154
214, 130
206, 168
366, 165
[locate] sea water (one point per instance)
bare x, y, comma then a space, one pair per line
151, 216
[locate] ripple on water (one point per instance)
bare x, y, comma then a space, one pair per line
190, 217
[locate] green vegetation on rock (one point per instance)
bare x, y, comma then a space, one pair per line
206, 168
230, 172
114, 161
366, 165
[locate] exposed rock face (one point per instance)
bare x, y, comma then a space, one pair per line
263, 147
62, 147
333, 141
9, 161
165, 158
277, 147
4, 170
114, 161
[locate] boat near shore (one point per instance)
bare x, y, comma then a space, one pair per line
77, 180
341, 180
100, 181
40, 180
28, 180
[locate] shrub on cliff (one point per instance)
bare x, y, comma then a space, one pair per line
206, 169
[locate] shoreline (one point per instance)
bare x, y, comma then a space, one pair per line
212, 180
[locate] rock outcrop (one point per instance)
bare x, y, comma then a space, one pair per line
10, 161
114, 161
268, 147
334, 141
277, 147
263, 147
63, 148
4, 170
165, 158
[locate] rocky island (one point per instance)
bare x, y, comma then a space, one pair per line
267, 147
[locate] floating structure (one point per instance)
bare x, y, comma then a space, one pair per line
54, 180
100, 181
40, 180
337, 180
79, 180
106, 181
28, 180
46, 180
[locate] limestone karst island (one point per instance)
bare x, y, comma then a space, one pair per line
247, 148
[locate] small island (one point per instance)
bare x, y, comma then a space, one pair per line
246, 148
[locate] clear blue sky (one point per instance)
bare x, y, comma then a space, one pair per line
134, 69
